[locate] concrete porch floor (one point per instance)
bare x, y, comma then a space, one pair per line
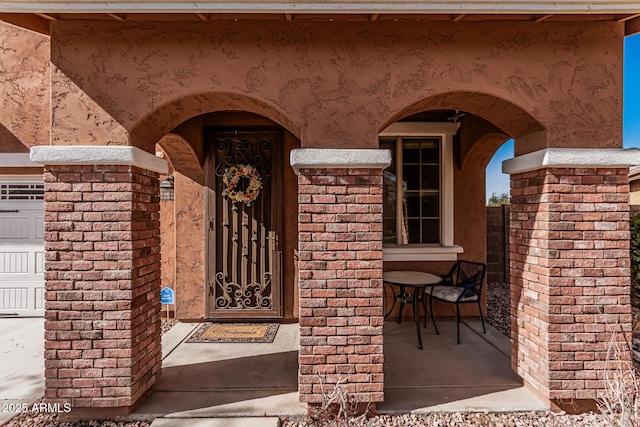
474, 375
229, 380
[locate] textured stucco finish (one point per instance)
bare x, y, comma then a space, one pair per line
557, 84
168, 246
190, 247
24, 88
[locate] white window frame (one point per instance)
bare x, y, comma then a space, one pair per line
446, 250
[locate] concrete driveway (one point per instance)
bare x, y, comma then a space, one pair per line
21, 363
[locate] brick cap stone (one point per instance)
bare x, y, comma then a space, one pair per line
321, 158
98, 155
17, 160
572, 158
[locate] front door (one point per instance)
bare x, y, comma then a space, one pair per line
245, 223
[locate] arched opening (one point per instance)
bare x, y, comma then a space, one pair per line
442, 145
195, 254
498, 212
150, 128
188, 129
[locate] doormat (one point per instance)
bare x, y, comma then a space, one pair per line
234, 332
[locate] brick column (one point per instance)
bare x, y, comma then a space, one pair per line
340, 272
570, 278
102, 328
341, 312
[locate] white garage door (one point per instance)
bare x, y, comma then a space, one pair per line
21, 246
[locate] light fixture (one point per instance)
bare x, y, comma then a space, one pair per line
166, 188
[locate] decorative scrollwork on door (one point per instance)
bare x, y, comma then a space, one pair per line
238, 295
246, 249
252, 151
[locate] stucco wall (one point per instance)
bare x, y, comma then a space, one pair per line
190, 247
329, 84
338, 84
167, 245
24, 89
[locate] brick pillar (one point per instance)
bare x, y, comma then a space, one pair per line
570, 278
102, 329
341, 313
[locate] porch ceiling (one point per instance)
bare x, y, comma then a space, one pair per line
37, 16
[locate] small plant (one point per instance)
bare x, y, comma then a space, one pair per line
620, 400
635, 253
338, 406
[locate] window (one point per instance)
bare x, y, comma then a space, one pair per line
418, 192
22, 191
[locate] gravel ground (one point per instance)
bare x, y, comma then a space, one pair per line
168, 324
457, 419
29, 419
499, 307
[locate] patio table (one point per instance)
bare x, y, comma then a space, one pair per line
416, 280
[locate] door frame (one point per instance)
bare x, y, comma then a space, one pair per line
209, 132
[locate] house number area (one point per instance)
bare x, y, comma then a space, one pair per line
37, 407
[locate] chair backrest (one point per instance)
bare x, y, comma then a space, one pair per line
470, 275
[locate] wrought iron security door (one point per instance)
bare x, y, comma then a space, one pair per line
244, 230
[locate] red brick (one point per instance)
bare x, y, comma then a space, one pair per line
82, 208
579, 275
353, 243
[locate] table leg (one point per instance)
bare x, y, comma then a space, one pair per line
402, 297
433, 319
393, 292
416, 317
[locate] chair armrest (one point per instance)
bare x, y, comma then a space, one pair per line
471, 291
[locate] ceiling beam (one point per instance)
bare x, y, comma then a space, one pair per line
629, 17
28, 21
116, 17
46, 16
632, 26
543, 18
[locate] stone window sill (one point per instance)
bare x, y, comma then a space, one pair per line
421, 253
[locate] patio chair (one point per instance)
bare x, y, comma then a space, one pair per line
462, 285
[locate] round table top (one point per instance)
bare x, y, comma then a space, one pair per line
411, 278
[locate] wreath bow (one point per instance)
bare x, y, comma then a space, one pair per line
252, 184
